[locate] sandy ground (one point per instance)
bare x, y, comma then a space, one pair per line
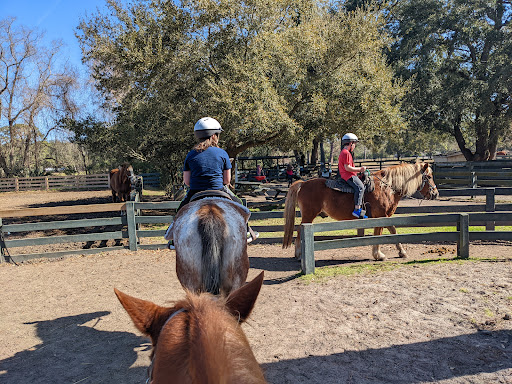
418, 320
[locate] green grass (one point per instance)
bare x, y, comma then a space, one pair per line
323, 273
149, 191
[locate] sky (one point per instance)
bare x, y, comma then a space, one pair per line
57, 18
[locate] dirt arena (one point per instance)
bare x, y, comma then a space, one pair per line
419, 320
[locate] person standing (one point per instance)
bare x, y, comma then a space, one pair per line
348, 172
207, 167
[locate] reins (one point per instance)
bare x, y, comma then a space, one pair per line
150, 368
374, 174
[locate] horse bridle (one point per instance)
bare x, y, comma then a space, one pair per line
150, 368
425, 179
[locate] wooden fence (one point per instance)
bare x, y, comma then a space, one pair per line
71, 182
16, 184
461, 236
140, 213
473, 174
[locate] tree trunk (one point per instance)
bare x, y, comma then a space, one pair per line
314, 152
460, 140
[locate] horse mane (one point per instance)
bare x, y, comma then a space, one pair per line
404, 178
215, 345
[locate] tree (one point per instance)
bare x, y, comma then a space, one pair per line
457, 55
276, 72
31, 88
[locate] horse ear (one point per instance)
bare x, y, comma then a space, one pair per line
143, 313
425, 166
241, 301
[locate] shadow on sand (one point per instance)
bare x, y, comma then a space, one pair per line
470, 354
72, 351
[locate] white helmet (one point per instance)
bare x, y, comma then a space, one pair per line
206, 127
349, 138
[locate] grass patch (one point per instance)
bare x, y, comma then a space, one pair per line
323, 273
149, 191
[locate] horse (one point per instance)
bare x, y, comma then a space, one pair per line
391, 184
199, 339
121, 180
210, 238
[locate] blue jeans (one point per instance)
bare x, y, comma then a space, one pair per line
358, 187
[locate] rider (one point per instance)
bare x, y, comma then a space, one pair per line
348, 172
207, 167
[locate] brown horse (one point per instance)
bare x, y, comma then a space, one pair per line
121, 180
210, 237
391, 184
199, 339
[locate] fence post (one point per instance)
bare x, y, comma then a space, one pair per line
307, 254
46, 184
490, 206
16, 184
463, 242
132, 230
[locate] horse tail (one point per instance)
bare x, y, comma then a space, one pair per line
289, 212
211, 227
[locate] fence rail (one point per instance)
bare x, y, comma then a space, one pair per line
140, 213
71, 182
473, 174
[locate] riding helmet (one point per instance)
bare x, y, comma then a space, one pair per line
349, 138
206, 127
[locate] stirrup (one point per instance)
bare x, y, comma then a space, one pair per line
359, 213
170, 244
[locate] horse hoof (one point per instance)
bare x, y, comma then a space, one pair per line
380, 257
403, 255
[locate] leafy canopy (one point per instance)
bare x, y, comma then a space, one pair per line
272, 72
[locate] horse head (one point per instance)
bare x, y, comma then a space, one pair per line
199, 339
428, 188
127, 170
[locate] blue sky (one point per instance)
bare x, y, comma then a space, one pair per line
57, 18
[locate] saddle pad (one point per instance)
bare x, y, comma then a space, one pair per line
210, 193
339, 185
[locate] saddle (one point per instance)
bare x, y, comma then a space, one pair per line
210, 193
341, 185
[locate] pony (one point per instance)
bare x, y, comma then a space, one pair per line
210, 238
199, 339
391, 184
120, 181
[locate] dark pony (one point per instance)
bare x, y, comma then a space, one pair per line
199, 339
210, 236
391, 184
121, 180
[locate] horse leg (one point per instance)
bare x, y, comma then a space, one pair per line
297, 245
377, 254
401, 250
